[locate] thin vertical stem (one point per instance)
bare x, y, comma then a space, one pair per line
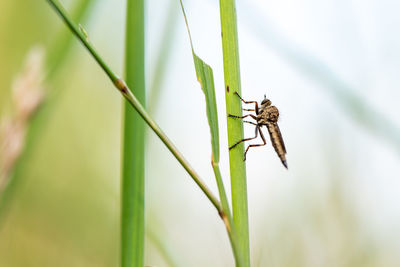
133, 191
235, 127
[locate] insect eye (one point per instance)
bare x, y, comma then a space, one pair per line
265, 101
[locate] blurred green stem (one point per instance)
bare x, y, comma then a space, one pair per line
125, 91
162, 246
132, 185
235, 127
162, 57
57, 54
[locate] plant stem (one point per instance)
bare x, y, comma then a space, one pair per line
235, 127
125, 91
205, 77
229, 224
133, 150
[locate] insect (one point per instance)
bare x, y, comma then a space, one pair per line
266, 115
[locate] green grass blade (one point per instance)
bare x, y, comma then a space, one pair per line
235, 127
132, 185
205, 77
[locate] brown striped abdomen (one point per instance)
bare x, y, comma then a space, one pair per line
277, 141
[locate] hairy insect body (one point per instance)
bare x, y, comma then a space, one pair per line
266, 115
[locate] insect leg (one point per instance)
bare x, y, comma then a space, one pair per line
245, 139
246, 109
262, 137
248, 102
242, 117
250, 122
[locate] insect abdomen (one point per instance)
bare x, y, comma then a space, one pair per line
277, 141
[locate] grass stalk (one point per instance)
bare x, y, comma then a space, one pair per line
127, 94
133, 159
205, 77
235, 127
229, 224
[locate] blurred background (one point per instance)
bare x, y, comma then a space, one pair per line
332, 69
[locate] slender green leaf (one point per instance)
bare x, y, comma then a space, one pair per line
230, 51
132, 184
205, 77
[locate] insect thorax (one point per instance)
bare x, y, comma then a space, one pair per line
267, 115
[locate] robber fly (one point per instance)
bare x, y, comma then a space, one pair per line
265, 115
